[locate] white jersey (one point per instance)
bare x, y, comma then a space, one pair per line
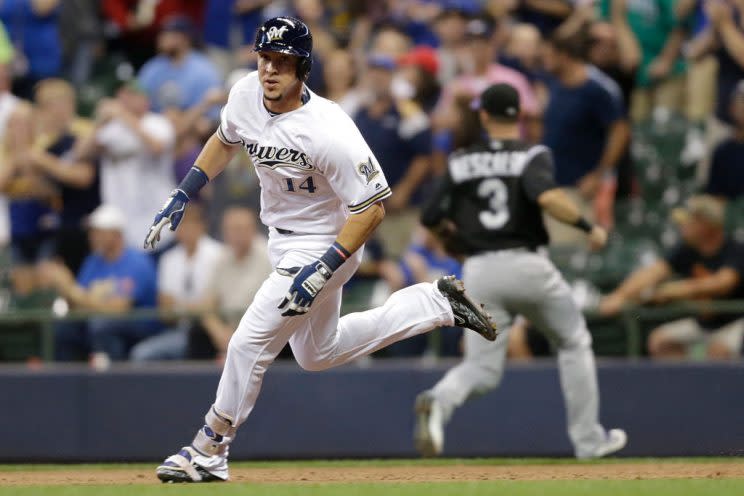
313, 164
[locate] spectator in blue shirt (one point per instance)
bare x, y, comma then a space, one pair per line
399, 134
33, 28
726, 177
179, 76
586, 128
113, 280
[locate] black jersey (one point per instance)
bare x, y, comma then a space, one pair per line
490, 192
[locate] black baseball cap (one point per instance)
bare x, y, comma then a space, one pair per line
499, 100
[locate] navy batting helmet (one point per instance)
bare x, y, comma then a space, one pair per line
287, 35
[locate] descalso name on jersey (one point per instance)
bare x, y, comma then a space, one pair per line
273, 157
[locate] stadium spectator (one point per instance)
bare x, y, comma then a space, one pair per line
8, 105
449, 27
482, 70
340, 74
417, 77
31, 216
135, 148
710, 266
724, 38
184, 273
545, 15
399, 135
585, 127
81, 33
660, 77
604, 53
239, 273
178, 76
221, 18
522, 51
33, 28
136, 23
726, 177
113, 280
75, 182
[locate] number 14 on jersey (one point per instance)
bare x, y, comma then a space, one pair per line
307, 185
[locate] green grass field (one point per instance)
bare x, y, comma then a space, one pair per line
531, 477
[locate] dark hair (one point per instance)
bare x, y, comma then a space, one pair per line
469, 130
427, 90
575, 45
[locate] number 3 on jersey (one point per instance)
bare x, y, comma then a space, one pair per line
497, 194
307, 185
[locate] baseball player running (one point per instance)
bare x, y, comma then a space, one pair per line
321, 189
490, 205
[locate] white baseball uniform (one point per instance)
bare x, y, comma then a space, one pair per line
315, 170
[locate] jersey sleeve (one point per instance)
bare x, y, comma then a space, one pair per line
227, 130
438, 206
537, 177
352, 169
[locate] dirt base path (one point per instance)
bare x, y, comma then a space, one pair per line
448, 473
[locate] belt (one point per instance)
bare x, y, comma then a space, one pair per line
283, 231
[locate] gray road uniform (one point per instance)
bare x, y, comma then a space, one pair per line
490, 193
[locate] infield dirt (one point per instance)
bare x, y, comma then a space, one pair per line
413, 473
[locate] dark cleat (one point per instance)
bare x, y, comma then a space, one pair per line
467, 312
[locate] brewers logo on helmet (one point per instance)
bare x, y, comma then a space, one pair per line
287, 35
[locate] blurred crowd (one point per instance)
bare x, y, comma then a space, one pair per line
104, 106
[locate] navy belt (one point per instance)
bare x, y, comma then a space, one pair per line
283, 231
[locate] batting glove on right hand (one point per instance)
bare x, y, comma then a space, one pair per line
171, 213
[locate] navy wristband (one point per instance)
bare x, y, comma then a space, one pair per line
335, 256
584, 225
195, 180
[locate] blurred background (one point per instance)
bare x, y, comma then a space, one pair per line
104, 106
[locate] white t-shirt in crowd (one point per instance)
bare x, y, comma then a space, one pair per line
313, 163
8, 103
133, 178
185, 278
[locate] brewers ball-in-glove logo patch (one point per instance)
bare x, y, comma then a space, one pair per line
368, 169
275, 33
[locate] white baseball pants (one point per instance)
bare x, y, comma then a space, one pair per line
319, 339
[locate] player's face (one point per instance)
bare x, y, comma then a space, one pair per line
277, 73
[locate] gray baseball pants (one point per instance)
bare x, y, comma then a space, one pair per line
512, 282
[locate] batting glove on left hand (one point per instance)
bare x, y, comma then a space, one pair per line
171, 213
307, 283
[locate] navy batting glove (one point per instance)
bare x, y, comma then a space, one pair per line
307, 283
171, 213
309, 280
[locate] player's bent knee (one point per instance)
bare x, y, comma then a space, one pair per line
312, 363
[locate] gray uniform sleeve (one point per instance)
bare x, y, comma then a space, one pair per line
537, 177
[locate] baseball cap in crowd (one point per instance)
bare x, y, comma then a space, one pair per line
421, 56
107, 217
499, 100
381, 61
705, 207
480, 28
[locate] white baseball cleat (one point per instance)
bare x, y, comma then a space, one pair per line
183, 467
616, 440
429, 431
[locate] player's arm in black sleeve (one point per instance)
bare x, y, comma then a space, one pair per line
437, 208
540, 186
436, 217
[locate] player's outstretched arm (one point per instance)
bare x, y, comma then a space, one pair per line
212, 160
560, 206
310, 279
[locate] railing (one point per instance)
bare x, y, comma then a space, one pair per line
632, 319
